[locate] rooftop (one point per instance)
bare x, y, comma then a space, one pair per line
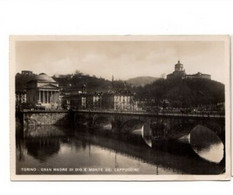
42, 77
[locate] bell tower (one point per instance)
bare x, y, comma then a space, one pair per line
179, 67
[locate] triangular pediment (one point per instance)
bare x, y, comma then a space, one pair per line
49, 86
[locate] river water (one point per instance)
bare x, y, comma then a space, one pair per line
63, 150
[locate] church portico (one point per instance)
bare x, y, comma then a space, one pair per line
44, 91
48, 98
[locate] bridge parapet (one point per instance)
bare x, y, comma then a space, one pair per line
166, 114
166, 125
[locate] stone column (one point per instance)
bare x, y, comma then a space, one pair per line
49, 96
53, 96
40, 94
44, 96
39, 97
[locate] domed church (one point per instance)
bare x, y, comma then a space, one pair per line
43, 91
178, 73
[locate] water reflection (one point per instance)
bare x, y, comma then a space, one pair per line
203, 141
51, 146
42, 149
207, 144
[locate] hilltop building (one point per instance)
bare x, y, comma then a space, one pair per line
179, 73
44, 91
198, 76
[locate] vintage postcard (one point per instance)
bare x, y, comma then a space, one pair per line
120, 108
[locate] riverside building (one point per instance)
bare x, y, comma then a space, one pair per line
43, 91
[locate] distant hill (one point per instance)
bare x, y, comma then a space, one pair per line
141, 81
183, 92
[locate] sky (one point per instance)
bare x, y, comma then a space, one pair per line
122, 59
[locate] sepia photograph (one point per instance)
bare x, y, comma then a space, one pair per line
120, 107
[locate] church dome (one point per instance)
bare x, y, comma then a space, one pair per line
42, 77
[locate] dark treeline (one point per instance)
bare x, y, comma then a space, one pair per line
183, 92
21, 81
179, 92
75, 82
91, 83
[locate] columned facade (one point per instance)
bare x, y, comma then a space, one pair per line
47, 96
44, 91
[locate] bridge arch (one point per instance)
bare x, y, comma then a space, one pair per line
131, 125
169, 127
102, 121
82, 120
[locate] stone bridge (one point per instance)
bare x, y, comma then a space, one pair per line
169, 126
166, 125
